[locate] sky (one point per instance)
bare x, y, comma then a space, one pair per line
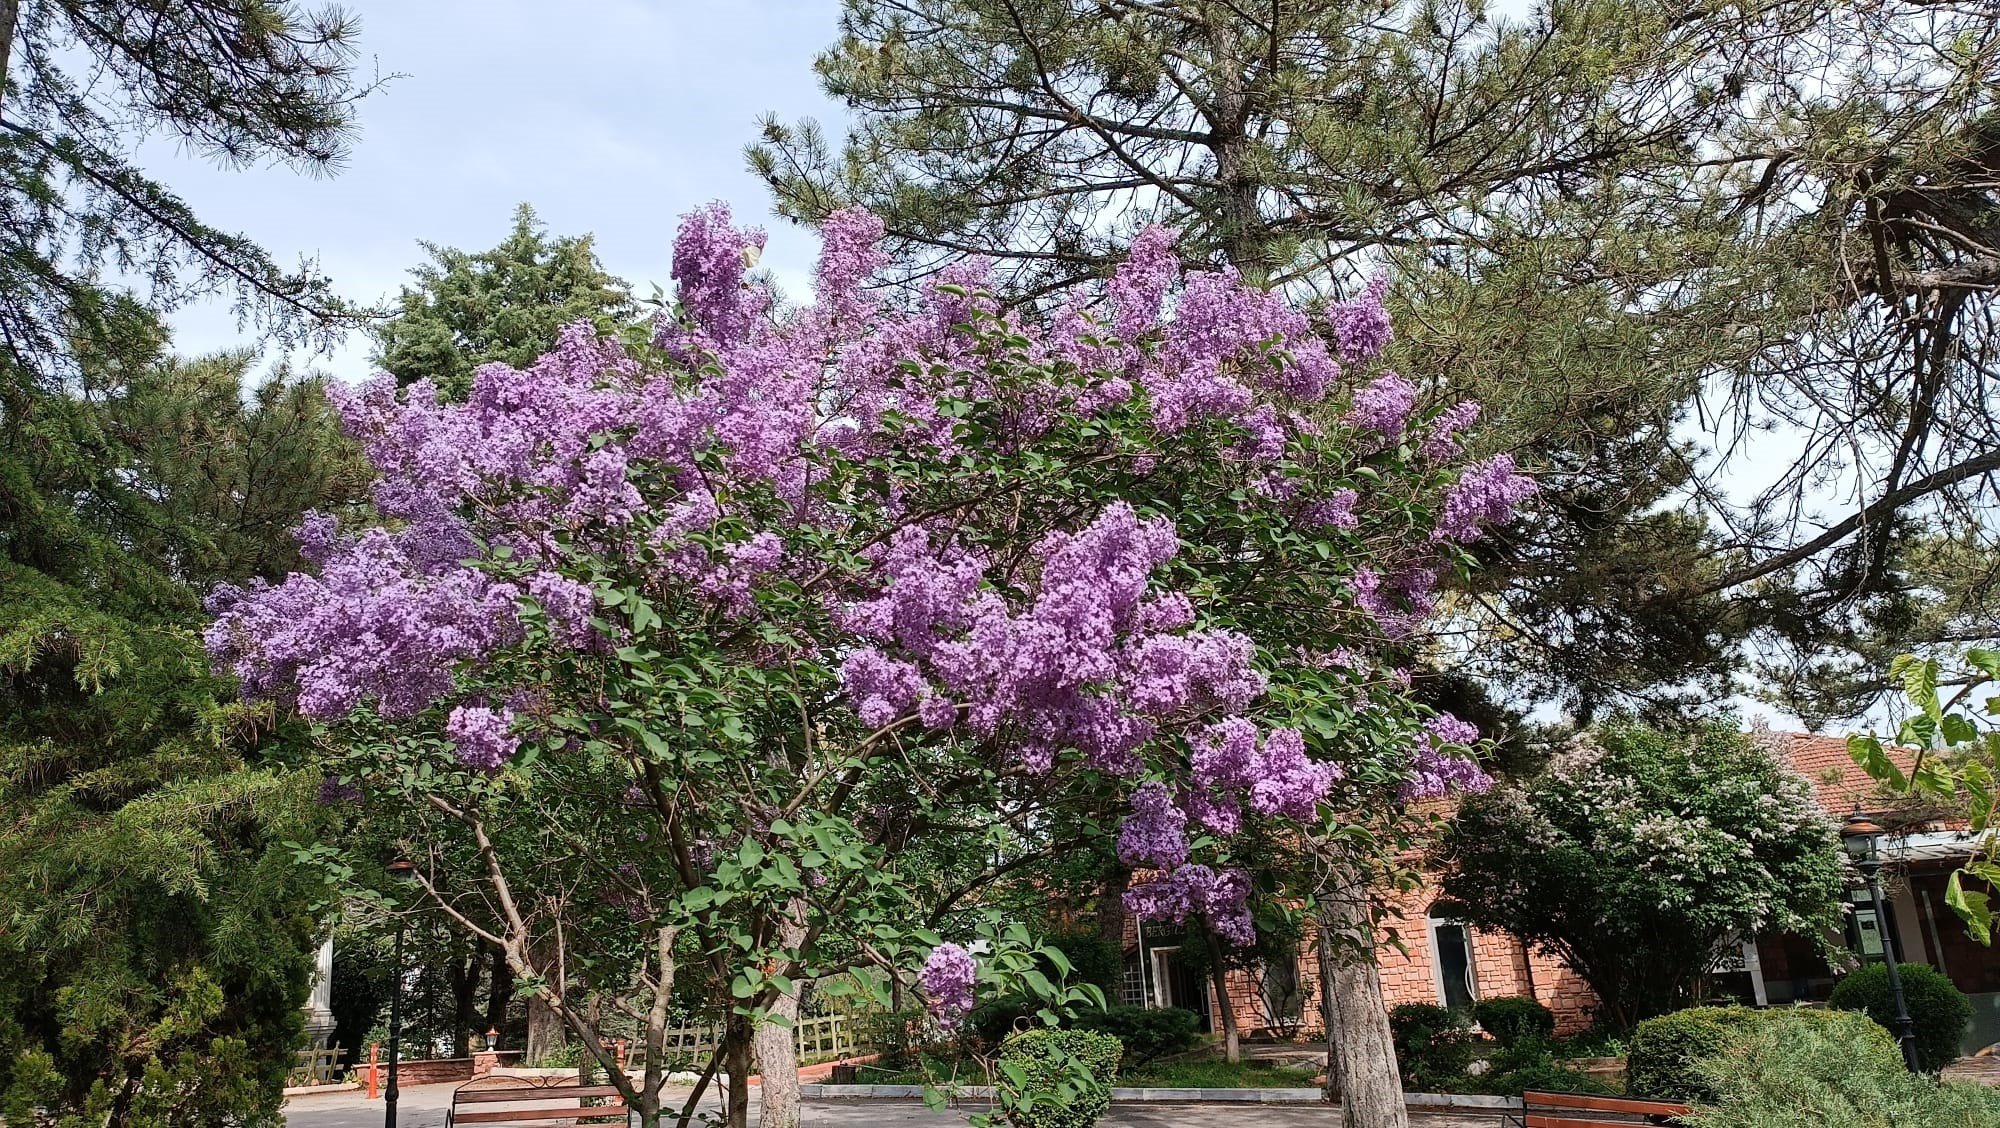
611, 117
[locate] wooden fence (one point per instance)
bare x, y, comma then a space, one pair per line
315, 1067
820, 1038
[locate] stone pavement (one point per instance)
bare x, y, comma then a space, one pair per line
423, 1106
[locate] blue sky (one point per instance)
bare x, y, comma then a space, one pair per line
609, 116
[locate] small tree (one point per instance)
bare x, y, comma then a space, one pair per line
745, 650
1637, 854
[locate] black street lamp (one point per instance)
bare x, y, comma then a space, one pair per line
402, 869
1860, 836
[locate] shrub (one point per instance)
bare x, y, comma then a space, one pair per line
1056, 1078
1530, 1064
1433, 1045
1512, 1019
995, 1018
1796, 1069
898, 1037
1939, 1011
1665, 1053
1146, 1033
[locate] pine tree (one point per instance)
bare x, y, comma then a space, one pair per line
505, 305
1645, 234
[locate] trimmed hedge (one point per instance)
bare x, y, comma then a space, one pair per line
1791, 1072
1146, 1033
1664, 1058
1939, 1011
1514, 1019
1038, 1086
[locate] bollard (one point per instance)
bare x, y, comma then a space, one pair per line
374, 1070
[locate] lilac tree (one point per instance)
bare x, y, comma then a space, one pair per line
721, 631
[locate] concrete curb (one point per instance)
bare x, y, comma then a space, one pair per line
1161, 1096
334, 1087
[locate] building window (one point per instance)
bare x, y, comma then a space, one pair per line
1132, 985
1451, 959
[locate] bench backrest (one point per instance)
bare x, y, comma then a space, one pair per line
1582, 1110
529, 1104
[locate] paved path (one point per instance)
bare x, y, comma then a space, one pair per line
423, 1106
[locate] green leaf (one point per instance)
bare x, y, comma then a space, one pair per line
1972, 906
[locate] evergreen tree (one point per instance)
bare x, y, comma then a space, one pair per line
157, 939
506, 305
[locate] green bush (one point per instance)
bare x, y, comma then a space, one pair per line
1939, 1011
1530, 1064
995, 1018
1146, 1033
1433, 1045
1664, 1055
1056, 1078
1794, 1070
1513, 1019
897, 1037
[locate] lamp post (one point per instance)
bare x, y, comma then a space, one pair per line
1860, 836
402, 869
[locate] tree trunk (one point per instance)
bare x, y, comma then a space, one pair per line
1111, 913
10, 15
465, 976
1358, 1038
777, 1042
1328, 1016
545, 1030
499, 994
736, 1043
1225, 1007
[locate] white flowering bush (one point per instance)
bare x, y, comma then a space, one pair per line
1636, 854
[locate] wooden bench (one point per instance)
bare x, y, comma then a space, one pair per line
521, 1102
1579, 1110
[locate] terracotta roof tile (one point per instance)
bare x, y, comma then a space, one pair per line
1837, 781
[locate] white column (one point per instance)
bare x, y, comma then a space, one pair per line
1754, 964
319, 1004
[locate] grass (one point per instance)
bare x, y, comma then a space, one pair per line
1252, 1074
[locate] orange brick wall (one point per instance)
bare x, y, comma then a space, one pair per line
1502, 967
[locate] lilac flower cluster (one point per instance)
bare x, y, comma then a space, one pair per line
1090, 663
1487, 494
946, 981
1222, 899
1362, 327
484, 736
1384, 405
1400, 602
1435, 771
1155, 833
1441, 437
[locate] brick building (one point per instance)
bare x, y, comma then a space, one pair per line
1431, 957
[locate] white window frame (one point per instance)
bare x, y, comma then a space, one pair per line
1432, 922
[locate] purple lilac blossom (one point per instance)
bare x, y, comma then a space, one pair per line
1362, 325
1155, 834
483, 736
1384, 405
1486, 494
1448, 729
1222, 900
946, 980
1441, 435
1335, 510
